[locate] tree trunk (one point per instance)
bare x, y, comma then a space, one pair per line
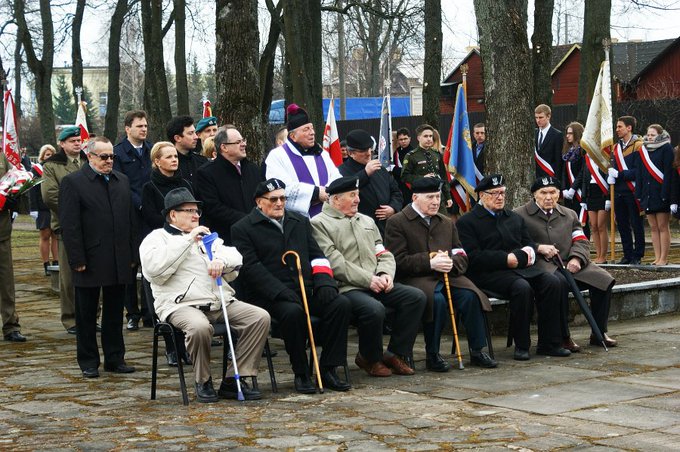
433, 62
17, 78
341, 64
302, 29
541, 52
236, 67
506, 59
41, 69
113, 96
76, 54
595, 29
156, 99
181, 58
266, 65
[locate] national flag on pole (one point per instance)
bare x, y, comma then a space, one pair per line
10, 137
385, 138
207, 108
331, 140
459, 155
81, 121
598, 135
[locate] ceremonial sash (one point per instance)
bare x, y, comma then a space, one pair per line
460, 196
478, 175
583, 216
595, 172
621, 164
570, 178
652, 169
543, 164
305, 176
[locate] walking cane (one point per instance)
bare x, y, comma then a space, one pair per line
453, 317
309, 318
207, 243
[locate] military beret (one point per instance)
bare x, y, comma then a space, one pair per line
205, 122
547, 181
267, 186
342, 185
296, 117
490, 181
176, 198
69, 132
426, 185
359, 139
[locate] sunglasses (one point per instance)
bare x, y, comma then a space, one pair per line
104, 157
275, 199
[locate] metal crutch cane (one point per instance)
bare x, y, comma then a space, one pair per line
453, 317
207, 243
309, 319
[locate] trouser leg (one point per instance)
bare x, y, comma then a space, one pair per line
521, 298
432, 331
549, 292
622, 214
293, 330
131, 300
638, 224
332, 334
86, 303
468, 307
599, 305
112, 325
368, 314
563, 305
66, 290
409, 304
198, 334
10, 319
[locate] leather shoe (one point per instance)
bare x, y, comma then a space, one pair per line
72, 330
229, 390
205, 393
330, 380
624, 261
481, 359
133, 324
172, 359
635, 262
187, 359
397, 365
608, 341
376, 369
215, 343
15, 336
521, 354
91, 372
304, 385
435, 363
98, 328
570, 345
552, 351
121, 368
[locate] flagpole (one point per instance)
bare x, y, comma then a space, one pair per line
464, 71
612, 241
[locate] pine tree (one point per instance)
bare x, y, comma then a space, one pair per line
64, 107
91, 112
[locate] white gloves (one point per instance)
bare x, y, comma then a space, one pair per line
33, 214
568, 194
584, 205
611, 180
607, 205
674, 208
613, 173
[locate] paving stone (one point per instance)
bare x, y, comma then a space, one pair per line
647, 441
289, 441
549, 442
386, 430
666, 378
419, 422
629, 415
669, 402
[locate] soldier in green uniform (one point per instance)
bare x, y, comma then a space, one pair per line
426, 161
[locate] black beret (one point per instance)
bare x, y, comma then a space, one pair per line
359, 139
490, 181
426, 185
342, 185
267, 186
296, 117
547, 181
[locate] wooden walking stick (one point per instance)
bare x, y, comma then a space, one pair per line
453, 316
309, 318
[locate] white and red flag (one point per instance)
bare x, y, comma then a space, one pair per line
81, 121
331, 140
207, 108
10, 136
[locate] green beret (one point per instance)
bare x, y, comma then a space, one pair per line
205, 122
68, 132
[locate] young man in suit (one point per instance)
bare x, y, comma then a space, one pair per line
549, 141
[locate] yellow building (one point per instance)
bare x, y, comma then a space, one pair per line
95, 78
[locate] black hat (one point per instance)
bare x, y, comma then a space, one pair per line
296, 117
490, 181
546, 181
342, 185
426, 185
359, 139
177, 197
267, 186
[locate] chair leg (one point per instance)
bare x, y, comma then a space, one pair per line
154, 364
270, 365
489, 343
346, 367
256, 387
180, 371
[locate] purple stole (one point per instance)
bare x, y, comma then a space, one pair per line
305, 176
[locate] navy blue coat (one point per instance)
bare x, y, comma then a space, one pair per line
136, 168
653, 196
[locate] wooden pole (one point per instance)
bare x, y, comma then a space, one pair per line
606, 43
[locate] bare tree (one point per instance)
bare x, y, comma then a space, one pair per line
76, 54
541, 51
181, 58
113, 89
433, 62
267, 59
506, 58
595, 29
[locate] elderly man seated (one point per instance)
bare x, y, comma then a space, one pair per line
183, 283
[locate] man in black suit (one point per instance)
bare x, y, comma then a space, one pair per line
479, 134
227, 184
549, 141
182, 133
96, 216
404, 142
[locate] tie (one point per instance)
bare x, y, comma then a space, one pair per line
238, 168
139, 151
76, 163
548, 213
540, 138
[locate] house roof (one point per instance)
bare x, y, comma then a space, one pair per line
463, 61
560, 54
632, 59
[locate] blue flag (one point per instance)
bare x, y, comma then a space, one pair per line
385, 138
461, 162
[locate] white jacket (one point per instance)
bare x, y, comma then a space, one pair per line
177, 268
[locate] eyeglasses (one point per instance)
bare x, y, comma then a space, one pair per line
275, 199
197, 212
495, 194
104, 157
244, 141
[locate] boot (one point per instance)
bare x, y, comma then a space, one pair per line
46, 264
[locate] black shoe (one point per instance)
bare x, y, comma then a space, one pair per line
172, 358
72, 330
15, 336
331, 380
229, 390
147, 323
624, 261
47, 272
187, 359
272, 353
121, 368
133, 324
205, 393
435, 363
635, 262
304, 385
521, 354
215, 343
98, 328
481, 359
552, 351
90, 372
